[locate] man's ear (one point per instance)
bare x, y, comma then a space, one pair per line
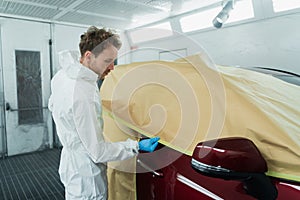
88, 55
86, 58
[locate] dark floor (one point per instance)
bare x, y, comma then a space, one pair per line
31, 176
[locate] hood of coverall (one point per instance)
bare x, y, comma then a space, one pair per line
69, 62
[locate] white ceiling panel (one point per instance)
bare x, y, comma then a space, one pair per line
79, 18
13, 8
57, 3
118, 14
113, 7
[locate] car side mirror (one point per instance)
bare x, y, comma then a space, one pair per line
235, 159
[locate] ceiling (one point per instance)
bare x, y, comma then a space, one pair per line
117, 14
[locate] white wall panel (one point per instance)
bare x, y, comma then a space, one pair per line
271, 43
65, 38
124, 52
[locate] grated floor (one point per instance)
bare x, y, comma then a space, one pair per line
31, 176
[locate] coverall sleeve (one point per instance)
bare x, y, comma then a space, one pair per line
50, 100
90, 133
50, 104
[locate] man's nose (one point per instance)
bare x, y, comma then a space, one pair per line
111, 66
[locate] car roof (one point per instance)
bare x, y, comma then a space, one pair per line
286, 76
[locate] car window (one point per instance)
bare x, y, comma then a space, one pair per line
290, 79
282, 75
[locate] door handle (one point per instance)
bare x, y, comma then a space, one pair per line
9, 108
155, 173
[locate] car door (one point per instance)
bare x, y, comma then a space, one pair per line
167, 174
177, 179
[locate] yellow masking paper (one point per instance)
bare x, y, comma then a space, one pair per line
191, 100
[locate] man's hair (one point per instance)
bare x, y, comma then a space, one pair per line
96, 40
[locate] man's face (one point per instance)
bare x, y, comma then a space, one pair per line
104, 62
108, 69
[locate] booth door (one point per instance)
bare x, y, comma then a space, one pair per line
26, 85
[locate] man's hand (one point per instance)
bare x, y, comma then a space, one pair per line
148, 145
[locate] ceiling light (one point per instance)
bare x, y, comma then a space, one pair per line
221, 18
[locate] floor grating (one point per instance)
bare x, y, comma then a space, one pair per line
31, 176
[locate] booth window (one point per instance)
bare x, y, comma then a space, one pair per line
151, 33
29, 87
197, 21
283, 5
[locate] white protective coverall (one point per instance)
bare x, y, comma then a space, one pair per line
76, 109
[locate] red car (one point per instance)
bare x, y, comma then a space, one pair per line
232, 168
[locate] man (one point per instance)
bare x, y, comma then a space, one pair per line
76, 110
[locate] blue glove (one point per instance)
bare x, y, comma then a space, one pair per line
148, 145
